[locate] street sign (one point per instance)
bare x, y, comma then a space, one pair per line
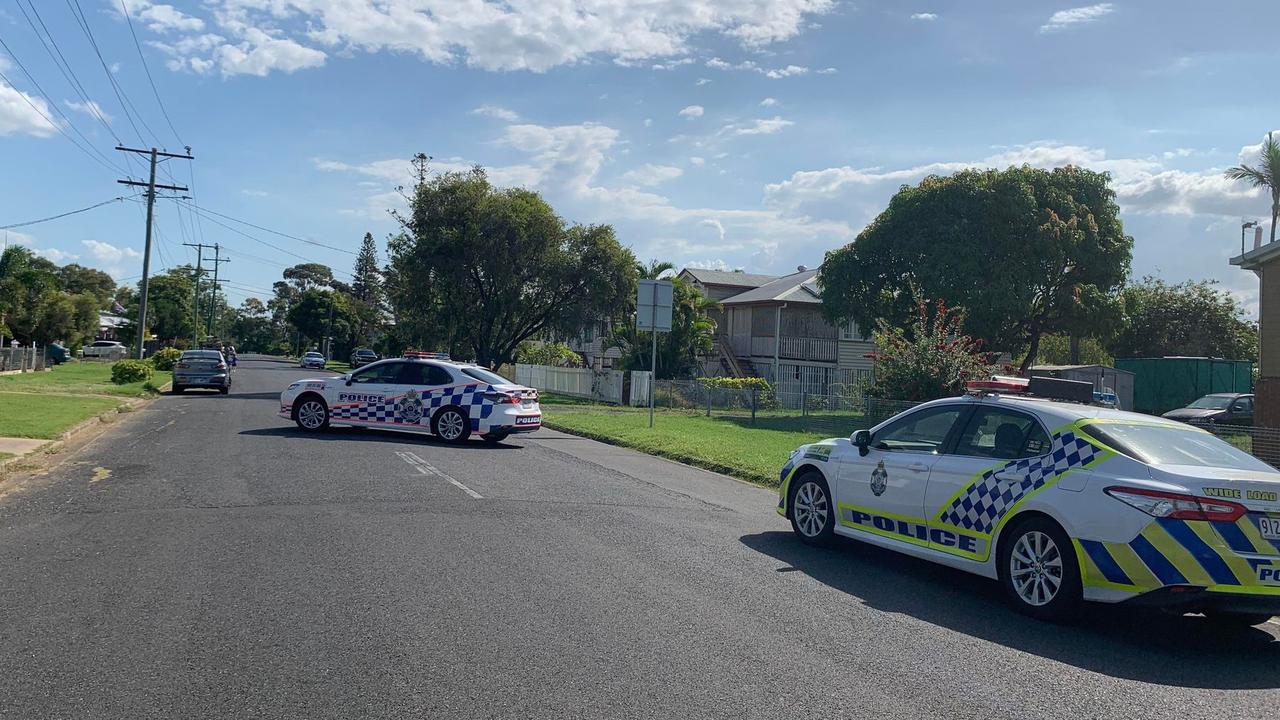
653, 305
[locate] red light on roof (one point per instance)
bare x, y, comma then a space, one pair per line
996, 385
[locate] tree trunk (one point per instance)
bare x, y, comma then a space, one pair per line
1075, 349
1275, 210
1032, 351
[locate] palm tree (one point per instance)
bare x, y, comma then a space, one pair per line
1265, 175
654, 269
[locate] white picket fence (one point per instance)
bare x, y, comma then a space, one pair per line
602, 385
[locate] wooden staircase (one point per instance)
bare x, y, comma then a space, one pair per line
732, 364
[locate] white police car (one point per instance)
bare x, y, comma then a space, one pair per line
421, 392
1061, 501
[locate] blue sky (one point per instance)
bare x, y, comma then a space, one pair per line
737, 133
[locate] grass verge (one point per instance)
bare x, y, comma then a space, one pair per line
84, 378
721, 445
46, 417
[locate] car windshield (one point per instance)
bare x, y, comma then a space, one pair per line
313, 355
488, 376
1157, 444
1211, 402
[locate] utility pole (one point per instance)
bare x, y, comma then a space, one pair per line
199, 272
151, 186
213, 304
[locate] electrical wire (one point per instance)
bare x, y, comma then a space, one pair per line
146, 69
69, 212
276, 232
121, 96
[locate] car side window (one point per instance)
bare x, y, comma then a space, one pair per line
437, 375
920, 431
1003, 435
1243, 405
383, 374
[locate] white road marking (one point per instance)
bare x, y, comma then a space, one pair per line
427, 468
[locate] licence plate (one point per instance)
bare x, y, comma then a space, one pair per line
1269, 527
531, 420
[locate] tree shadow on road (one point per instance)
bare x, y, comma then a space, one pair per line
352, 434
1184, 651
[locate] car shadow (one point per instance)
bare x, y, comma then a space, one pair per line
354, 434
1144, 645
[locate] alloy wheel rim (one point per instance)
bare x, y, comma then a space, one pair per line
1035, 566
450, 425
811, 509
311, 415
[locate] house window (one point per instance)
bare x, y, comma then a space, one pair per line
849, 331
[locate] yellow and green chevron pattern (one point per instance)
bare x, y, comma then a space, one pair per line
1219, 556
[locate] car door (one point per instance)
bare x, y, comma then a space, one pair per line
888, 484
1241, 411
989, 467
369, 397
421, 389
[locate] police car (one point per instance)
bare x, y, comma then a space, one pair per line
1062, 501
420, 392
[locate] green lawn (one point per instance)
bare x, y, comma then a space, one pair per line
46, 416
92, 378
723, 445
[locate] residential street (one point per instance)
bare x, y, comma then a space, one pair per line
204, 558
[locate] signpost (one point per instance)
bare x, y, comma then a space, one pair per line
653, 313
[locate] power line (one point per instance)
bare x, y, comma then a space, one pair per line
277, 232
69, 212
146, 69
121, 96
260, 241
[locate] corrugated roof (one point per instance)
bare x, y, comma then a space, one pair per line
725, 277
800, 287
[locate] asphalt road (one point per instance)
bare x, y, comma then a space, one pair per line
205, 559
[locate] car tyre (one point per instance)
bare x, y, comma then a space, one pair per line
177, 389
495, 437
224, 389
451, 424
813, 511
1039, 570
311, 413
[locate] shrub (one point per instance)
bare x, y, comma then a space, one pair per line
552, 354
765, 397
165, 358
131, 371
932, 360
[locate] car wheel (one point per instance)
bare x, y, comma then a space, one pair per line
451, 425
1039, 571
311, 414
225, 389
177, 389
1240, 620
495, 438
813, 515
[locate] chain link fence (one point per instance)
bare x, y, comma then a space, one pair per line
22, 359
1260, 442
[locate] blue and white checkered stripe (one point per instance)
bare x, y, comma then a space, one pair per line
987, 499
468, 397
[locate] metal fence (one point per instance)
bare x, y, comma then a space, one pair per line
1261, 442
20, 359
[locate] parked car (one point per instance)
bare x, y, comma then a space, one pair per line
201, 368
1061, 502
103, 348
1223, 408
312, 360
363, 356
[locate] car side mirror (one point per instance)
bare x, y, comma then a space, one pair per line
861, 438
347, 378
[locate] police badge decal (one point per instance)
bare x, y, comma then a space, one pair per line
409, 407
879, 479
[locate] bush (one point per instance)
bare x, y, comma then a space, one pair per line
165, 358
551, 354
765, 398
131, 371
932, 360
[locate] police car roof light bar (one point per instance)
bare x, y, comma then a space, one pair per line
425, 355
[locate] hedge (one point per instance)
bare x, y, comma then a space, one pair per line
131, 371
165, 358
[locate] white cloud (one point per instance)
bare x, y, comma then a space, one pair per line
259, 53
111, 258
499, 113
23, 114
51, 254
673, 64
716, 63
828, 71
90, 108
692, 111
255, 193
768, 102
697, 161
788, 71
650, 175
648, 122
702, 81
926, 17
161, 18
1065, 19
758, 127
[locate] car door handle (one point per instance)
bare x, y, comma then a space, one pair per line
917, 467
1008, 477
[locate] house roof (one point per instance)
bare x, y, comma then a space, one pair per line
799, 287
727, 278
1255, 259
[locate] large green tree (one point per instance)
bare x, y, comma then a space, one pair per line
1191, 318
1023, 251
367, 294
322, 313
309, 275
78, 279
479, 269
29, 291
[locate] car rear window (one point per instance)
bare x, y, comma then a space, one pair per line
202, 355
1174, 445
483, 375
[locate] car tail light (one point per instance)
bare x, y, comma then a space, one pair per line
1177, 506
220, 366
502, 398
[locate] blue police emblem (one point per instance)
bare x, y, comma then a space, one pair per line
879, 479
409, 407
